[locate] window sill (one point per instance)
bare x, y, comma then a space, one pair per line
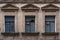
50, 33
30, 33
10, 33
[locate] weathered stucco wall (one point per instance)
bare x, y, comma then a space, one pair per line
20, 22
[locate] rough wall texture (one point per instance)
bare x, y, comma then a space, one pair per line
20, 23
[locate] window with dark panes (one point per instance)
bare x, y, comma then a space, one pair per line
49, 23
29, 23
9, 23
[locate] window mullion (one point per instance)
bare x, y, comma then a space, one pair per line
50, 26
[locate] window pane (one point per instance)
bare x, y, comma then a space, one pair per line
27, 28
32, 27
52, 26
30, 23
29, 18
11, 27
9, 18
6, 27
50, 18
50, 23
9, 23
47, 28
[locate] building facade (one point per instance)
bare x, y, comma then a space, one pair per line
29, 19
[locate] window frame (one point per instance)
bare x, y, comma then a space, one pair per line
50, 23
10, 23
29, 24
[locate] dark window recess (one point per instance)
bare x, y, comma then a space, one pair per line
50, 25
9, 26
30, 26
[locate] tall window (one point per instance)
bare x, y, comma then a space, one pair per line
9, 23
30, 24
50, 24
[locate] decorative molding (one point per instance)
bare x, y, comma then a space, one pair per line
50, 33
9, 7
10, 33
50, 7
30, 33
30, 8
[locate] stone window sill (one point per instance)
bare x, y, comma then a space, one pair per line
10, 33
30, 33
